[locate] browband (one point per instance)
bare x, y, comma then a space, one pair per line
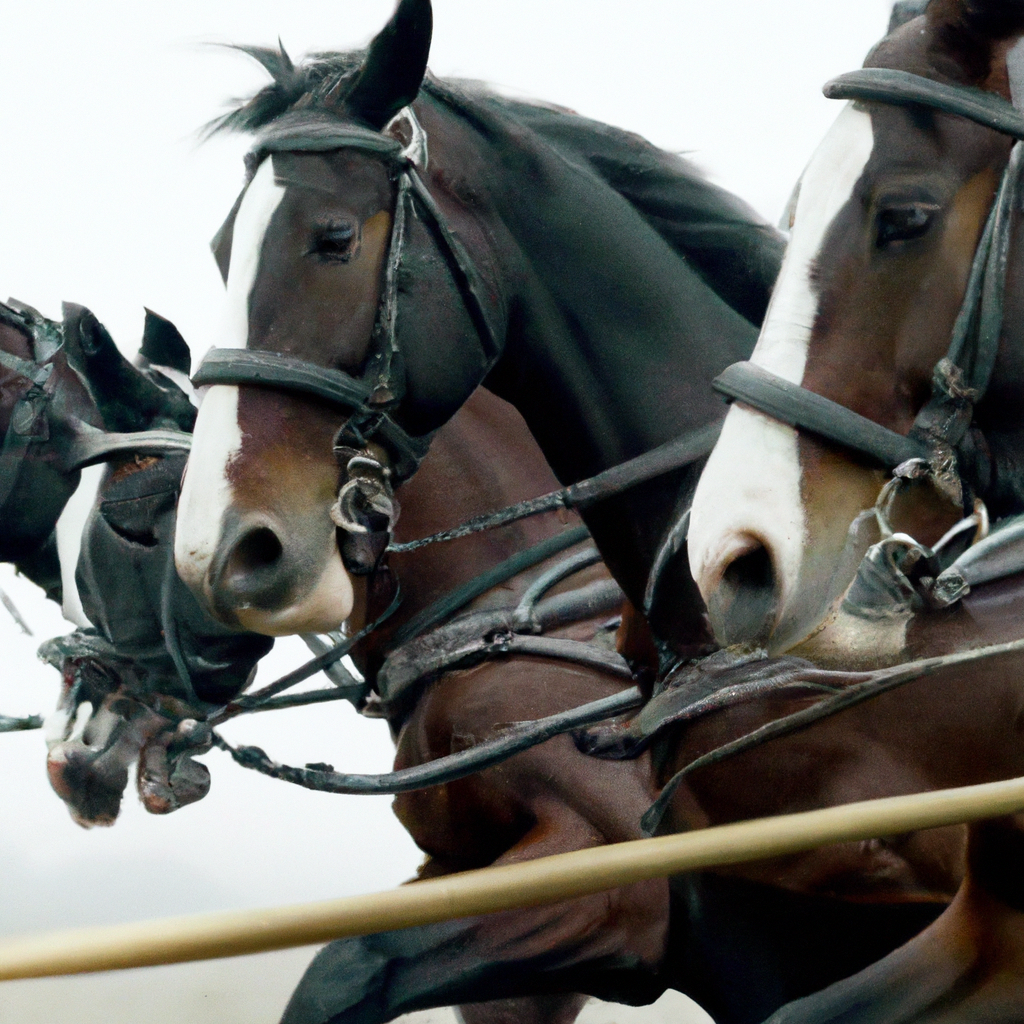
318, 131
903, 88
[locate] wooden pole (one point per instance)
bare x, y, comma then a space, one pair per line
533, 883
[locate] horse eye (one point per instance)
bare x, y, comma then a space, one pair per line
335, 243
903, 223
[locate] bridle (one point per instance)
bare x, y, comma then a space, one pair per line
34, 422
943, 435
373, 399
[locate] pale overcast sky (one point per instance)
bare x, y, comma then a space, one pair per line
107, 199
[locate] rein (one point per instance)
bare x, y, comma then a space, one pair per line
874, 685
943, 435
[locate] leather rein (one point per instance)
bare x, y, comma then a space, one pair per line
943, 435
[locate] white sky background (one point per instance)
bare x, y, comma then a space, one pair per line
106, 199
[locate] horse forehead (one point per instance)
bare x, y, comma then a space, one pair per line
828, 186
255, 212
347, 176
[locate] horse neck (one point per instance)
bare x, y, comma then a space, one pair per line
612, 339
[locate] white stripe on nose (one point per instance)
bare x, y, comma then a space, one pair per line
750, 491
206, 493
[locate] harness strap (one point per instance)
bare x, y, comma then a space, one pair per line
287, 373
864, 687
521, 736
886, 85
446, 606
766, 392
91, 446
681, 451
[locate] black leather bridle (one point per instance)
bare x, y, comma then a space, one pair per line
373, 399
33, 423
943, 433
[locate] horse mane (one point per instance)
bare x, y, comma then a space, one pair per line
725, 241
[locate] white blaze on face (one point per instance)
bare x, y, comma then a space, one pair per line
750, 490
217, 439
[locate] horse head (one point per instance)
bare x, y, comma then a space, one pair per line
61, 385
310, 256
886, 223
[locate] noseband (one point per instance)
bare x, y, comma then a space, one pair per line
943, 434
372, 400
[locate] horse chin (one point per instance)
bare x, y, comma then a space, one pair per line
321, 610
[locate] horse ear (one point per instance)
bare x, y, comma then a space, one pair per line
974, 34
395, 63
163, 344
126, 398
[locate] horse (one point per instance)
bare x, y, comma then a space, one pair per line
336, 272
69, 399
477, 208
904, 236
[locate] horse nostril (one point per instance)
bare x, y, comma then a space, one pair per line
752, 570
747, 597
258, 549
253, 568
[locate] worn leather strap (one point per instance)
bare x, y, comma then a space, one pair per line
902, 88
789, 403
287, 373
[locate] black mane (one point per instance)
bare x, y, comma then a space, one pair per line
732, 248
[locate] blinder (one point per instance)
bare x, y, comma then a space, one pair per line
943, 434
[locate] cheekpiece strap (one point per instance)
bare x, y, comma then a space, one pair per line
903, 88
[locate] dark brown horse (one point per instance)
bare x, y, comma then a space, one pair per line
878, 279
596, 283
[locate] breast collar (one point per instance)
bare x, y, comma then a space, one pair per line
373, 399
943, 434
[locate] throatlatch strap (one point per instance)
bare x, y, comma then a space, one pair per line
782, 400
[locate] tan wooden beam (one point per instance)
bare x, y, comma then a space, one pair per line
533, 883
